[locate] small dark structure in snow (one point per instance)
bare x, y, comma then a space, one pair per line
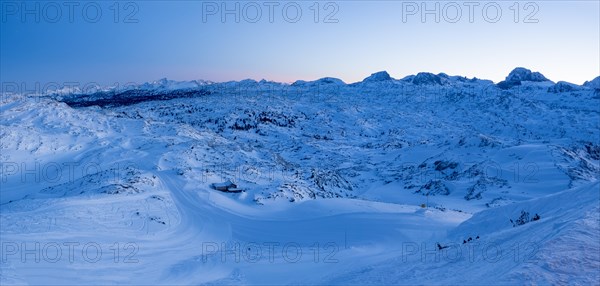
524, 218
227, 187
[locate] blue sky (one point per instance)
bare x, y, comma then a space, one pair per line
185, 40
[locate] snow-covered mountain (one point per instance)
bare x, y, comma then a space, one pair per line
428, 179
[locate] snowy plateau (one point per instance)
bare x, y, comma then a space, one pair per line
429, 179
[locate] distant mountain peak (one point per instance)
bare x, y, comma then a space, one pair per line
523, 74
321, 81
520, 74
331, 80
378, 76
426, 78
595, 83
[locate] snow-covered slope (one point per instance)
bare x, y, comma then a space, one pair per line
343, 183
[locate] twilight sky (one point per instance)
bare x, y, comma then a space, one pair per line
111, 42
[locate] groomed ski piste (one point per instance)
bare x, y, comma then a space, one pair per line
429, 179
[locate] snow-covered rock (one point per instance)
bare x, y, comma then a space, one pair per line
563, 86
321, 81
378, 76
519, 75
425, 78
595, 83
523, 74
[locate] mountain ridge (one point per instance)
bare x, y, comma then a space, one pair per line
515, 78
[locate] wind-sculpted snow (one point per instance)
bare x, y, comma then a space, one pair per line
367, 180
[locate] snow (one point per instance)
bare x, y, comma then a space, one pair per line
563, 86
378, 76
425, 78
343, 183
523, 74
595, 83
